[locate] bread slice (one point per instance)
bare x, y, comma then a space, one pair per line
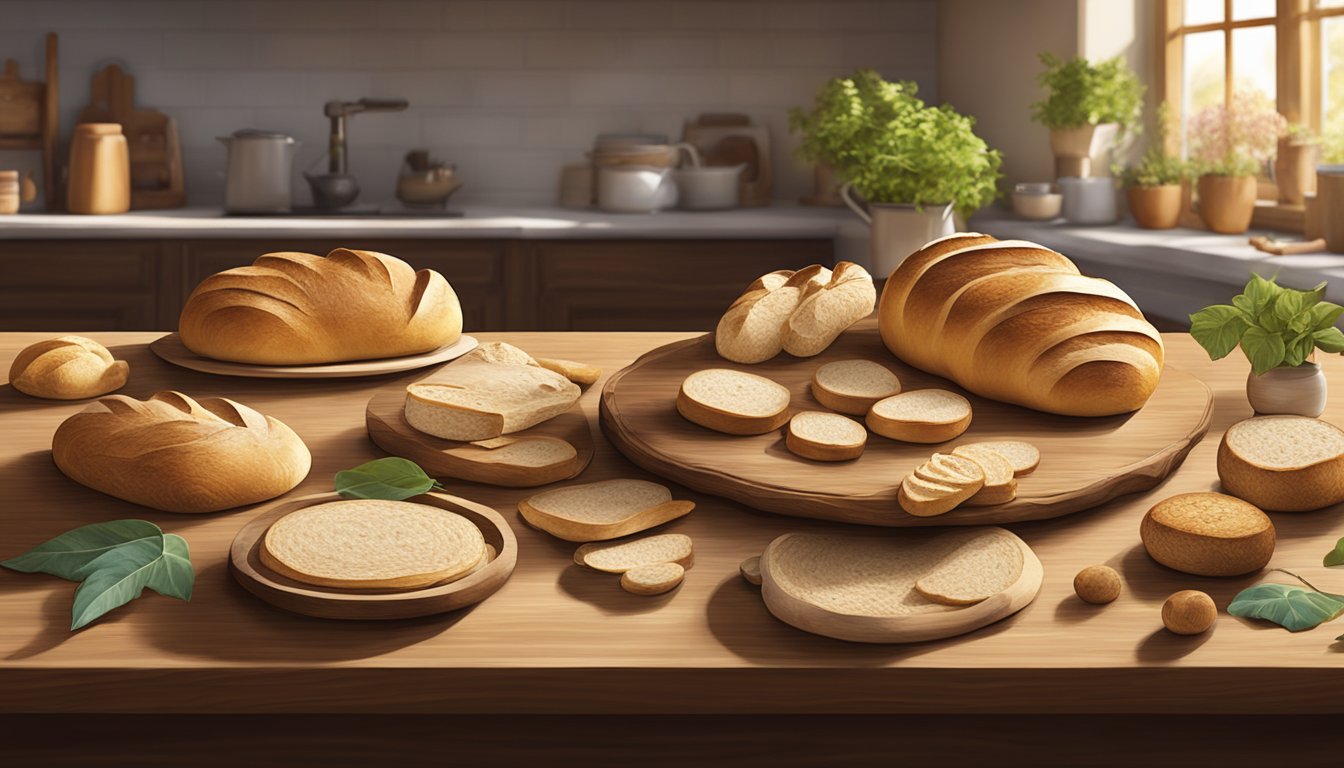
1000, 482
921, 416
1023, 456
621, 556
751, 569
752, 330
733, 402
474, 399
1208, 534
653, 579
67, 368
607, 509
852, 386
580, 373
978, 568
1283, 463
927, 498
951, 470
824, 436
824, 313
500, 352
372, 544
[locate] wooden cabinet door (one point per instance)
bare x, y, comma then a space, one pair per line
79, 285
655, 285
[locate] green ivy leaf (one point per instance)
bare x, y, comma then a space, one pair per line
1324, 315
1291, 607
1335, 556
390, 478
113, 579
68, 554
1263, 348
1329, 339
172, 575
1218, 329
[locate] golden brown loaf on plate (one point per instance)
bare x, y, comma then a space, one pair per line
293, 308
67, 368
177, 454
1016, 322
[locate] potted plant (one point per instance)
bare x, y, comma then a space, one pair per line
914, 164
1086, 108
1279, 330
1229, 145
1295, 164
1154, 186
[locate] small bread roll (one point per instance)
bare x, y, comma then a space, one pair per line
67, 368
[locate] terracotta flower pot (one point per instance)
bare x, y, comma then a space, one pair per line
1295, 170
1155, 207
1226, 203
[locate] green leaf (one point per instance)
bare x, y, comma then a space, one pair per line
391, 478
1329, 339
1335, 556
1297, 350
1257, 295
1293, 608
1324, 315
172, 574
66, 555
113, 579
1218, 329
1290, 304
1263, 348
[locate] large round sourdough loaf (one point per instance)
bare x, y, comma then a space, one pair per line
298, 308
1016, 322
177, 454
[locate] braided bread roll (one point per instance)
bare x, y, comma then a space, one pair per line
1014, 321
298, 308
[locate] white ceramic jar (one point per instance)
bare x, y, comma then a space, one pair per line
1089, 200
635, 189
1300, 391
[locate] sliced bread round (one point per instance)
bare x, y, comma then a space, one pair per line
927, 498
1208, 534
977, 569
653, 579
951, 470
621, 556
372, 544
824, 436
1000, 482
1283, 463
921, 416
607, 509
1023, 456
852, 386
733, 402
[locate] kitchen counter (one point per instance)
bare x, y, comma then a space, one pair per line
564, 641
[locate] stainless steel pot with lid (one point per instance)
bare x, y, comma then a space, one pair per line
260, 169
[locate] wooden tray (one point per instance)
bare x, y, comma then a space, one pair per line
171, 349
1084, 462
246, 567
450, 458
935, 623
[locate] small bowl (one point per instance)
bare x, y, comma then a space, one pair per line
1036, 206
1034, 188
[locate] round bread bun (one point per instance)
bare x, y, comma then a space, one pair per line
1208, 534
67, 368
1283, 463
373, 544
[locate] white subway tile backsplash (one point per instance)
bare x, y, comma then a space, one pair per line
207, 50
255, 89
410, 15
459, 131
198, 127
164, 89
793, 50
382, 50
519, 88
601, 88
469, 51
764, 87
384, 129
423, 88
302, 50
502, 14
742, 50
574, 51
667, 52
46, 15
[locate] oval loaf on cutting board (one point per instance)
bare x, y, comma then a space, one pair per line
1017, 322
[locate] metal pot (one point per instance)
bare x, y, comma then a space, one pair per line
260, 167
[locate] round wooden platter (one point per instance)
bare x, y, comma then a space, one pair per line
1084, 461
246, 567
171, 349
930, 621
467, 461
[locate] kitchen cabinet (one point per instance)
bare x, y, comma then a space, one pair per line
69, 285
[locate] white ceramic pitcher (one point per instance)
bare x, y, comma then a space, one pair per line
897, 230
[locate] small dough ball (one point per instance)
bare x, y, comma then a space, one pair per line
751, 570
1189, 612
1097, 584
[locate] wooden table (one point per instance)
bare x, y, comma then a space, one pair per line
557, 640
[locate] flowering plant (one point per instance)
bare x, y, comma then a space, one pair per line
1237, 138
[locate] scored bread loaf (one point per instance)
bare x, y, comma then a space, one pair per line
825, 311
733, 402
299, 308
67, 368
178, 454
1283, 463
752, 330
1016, 322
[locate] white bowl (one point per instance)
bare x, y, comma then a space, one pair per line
708, 187
1036, 206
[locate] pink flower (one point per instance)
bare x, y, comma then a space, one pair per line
1244, 132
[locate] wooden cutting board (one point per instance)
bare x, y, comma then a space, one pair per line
1084, 462
157, 179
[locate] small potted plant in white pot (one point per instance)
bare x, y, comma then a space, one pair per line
1154, 186
1279, 330
914, 164
1229, 145
1086, 108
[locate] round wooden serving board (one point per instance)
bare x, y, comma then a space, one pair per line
246, 566
171, 349
466, 461
1084, 461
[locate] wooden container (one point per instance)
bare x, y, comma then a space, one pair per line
1226, 203
1155, 207
9, 192
100, 170
1295, 170
1330, 206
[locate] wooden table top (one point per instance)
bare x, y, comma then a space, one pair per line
560, 639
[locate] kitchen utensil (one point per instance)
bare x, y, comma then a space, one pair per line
332, 190
171, 349
1037, 201
337, 188
1089, 200
9, 192
100, 170
1084, 461
731, 139
30, 116
635, 189
260, 166
898, 230
708, 187
155, 151
1287, 247
576, 185
426, 182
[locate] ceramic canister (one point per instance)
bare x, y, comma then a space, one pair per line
100, 170
9, 192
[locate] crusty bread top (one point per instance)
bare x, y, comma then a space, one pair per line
736, 392
369, 540
925, 406
827, 428
67, 368
1214, 515
127, 427
825, 311
606, 501
752, 329
857, 378
1285, 442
